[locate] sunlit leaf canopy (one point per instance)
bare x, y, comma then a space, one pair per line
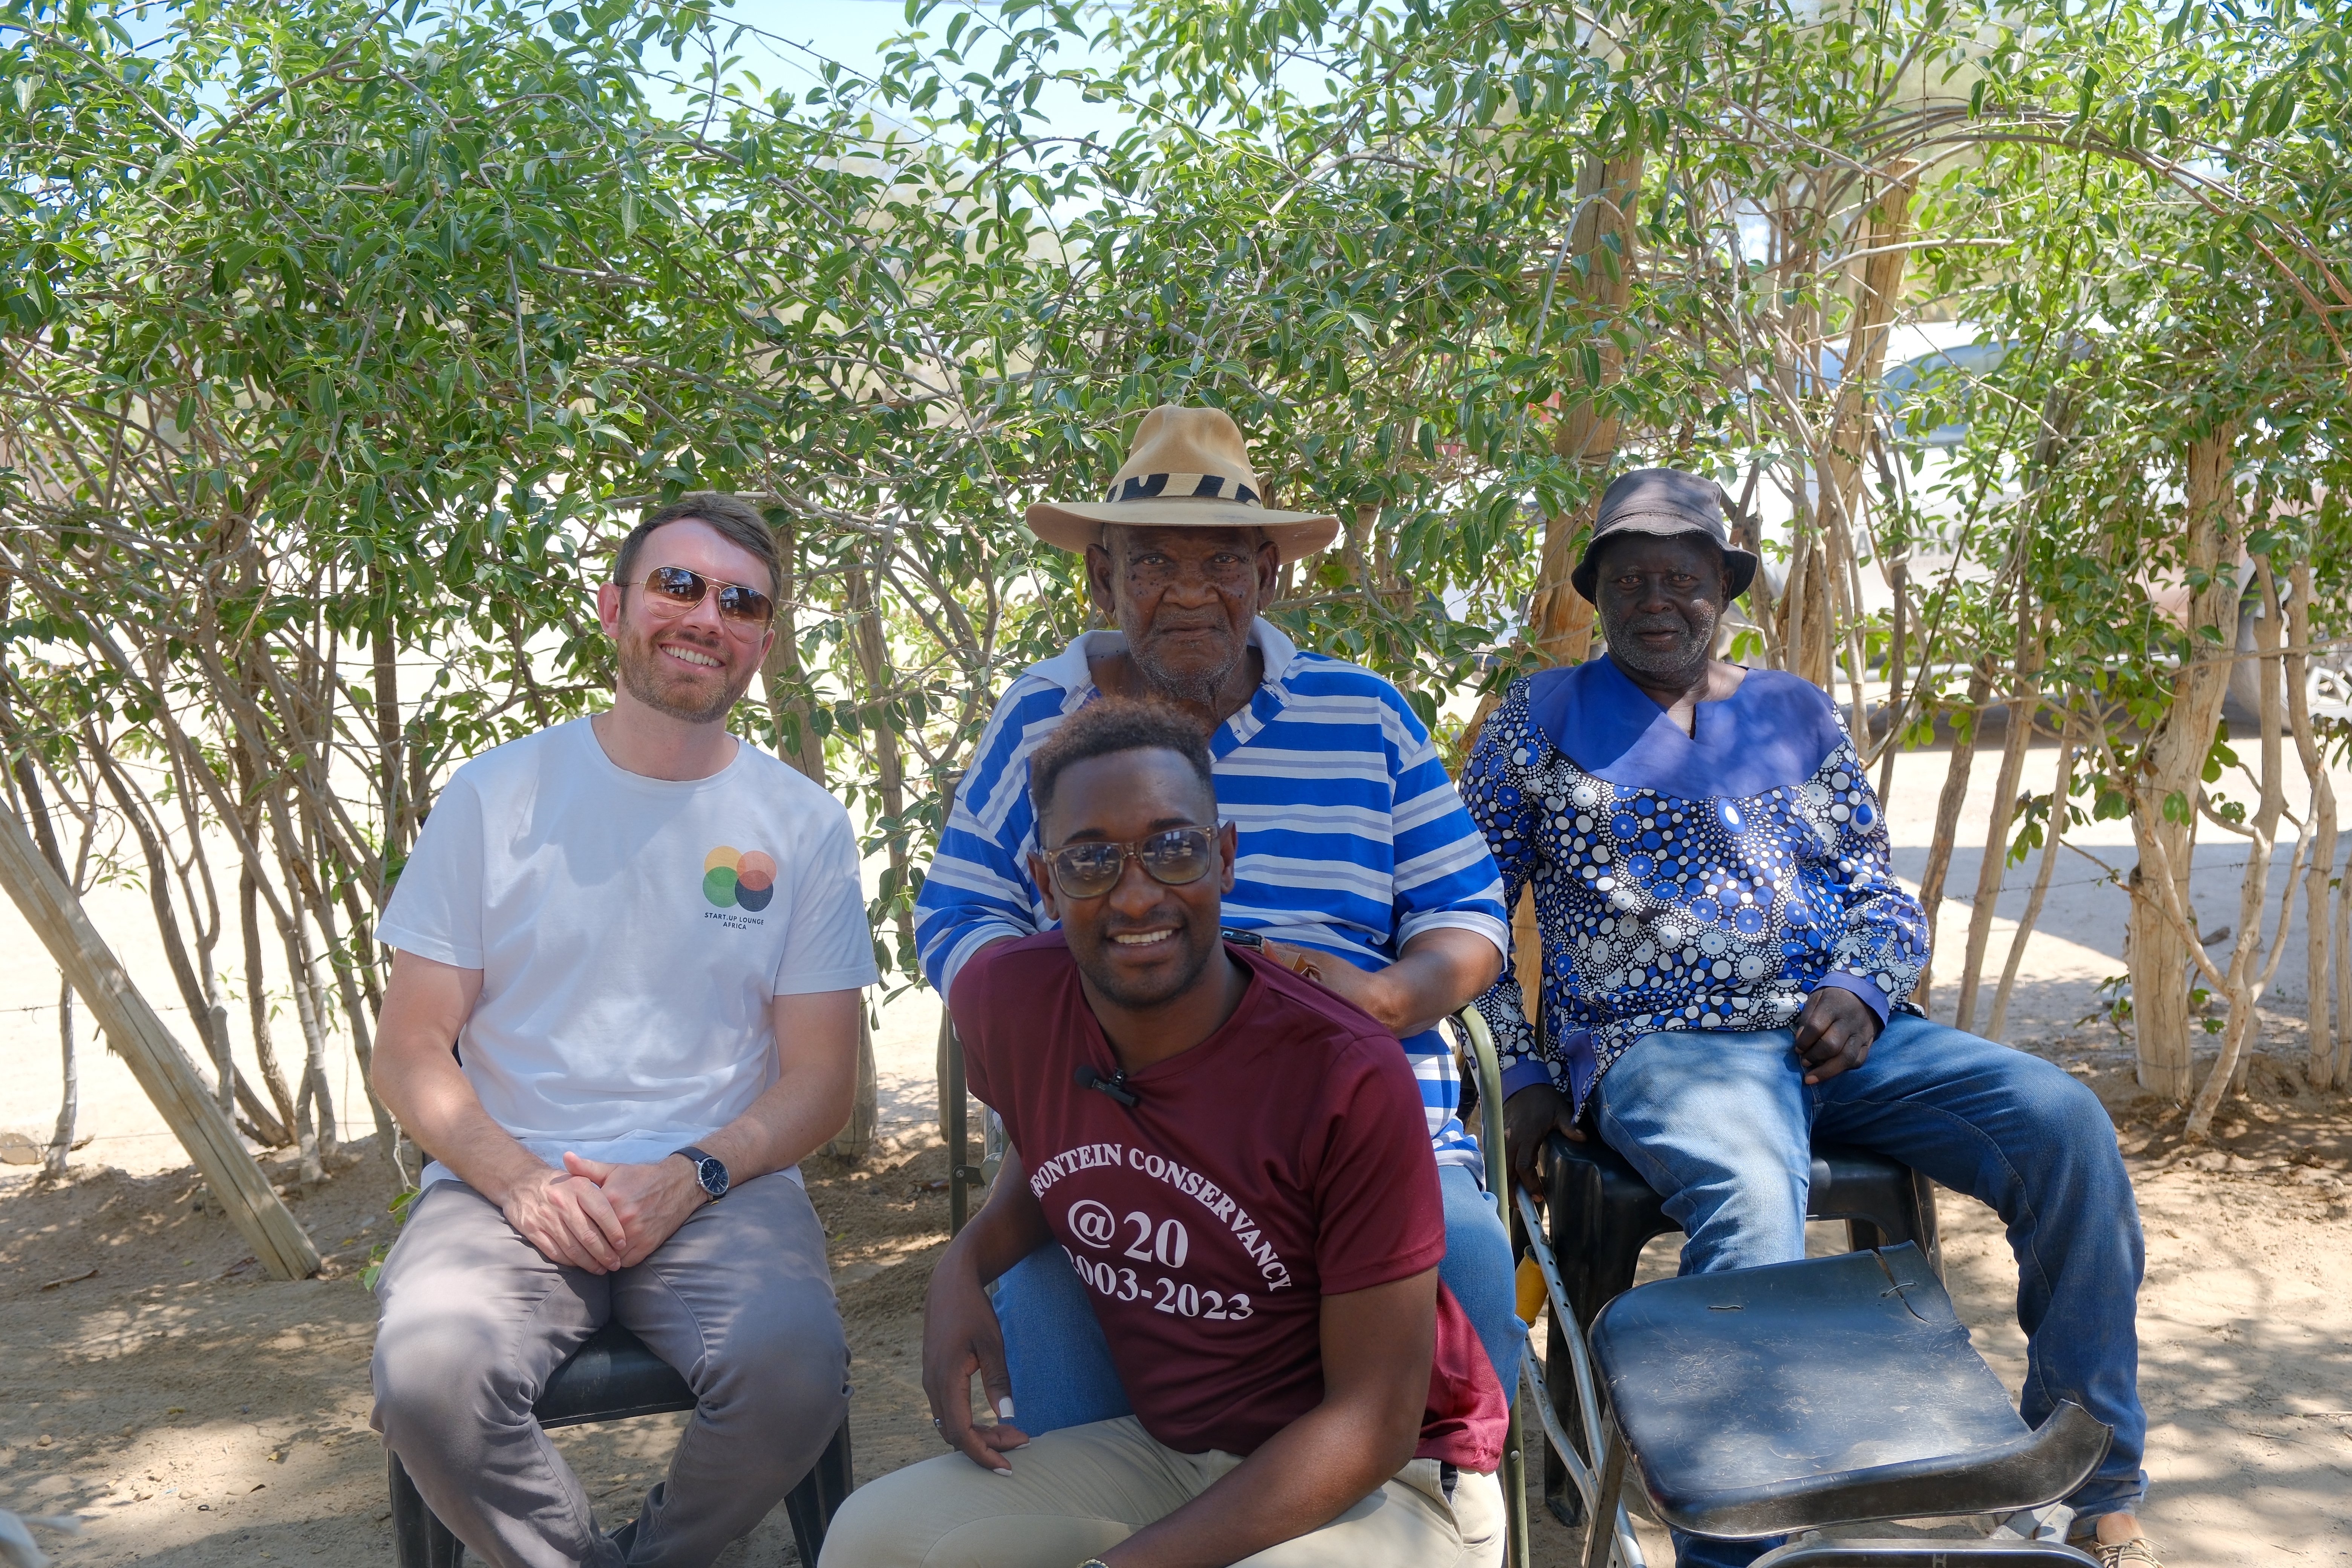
341, 342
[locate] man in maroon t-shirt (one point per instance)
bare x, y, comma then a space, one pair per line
1237, 1161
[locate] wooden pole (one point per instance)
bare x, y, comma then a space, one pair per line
162, 1067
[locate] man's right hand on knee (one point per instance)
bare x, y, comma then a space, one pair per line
567, 1217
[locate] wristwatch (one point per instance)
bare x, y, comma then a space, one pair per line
708, 1170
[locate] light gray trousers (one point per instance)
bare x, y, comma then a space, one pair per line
474, 1320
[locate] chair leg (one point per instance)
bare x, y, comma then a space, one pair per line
812, 1504
1515, 1488
419, 1540
1923, 1222
1600, 1520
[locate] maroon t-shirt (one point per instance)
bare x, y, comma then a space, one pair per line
1281, 1160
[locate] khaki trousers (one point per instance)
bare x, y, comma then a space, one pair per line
1080, 1491
474, 1320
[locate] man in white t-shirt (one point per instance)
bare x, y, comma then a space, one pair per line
646, 942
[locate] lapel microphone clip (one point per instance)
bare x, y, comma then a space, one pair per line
1115, 1085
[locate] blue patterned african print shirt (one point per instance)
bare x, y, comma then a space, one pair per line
1702, 881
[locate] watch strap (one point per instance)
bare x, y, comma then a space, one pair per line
698, 1157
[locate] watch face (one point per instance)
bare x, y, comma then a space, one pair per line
713, 1176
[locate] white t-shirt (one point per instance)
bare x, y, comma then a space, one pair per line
631, 935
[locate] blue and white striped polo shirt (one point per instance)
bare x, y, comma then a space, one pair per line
1352, 839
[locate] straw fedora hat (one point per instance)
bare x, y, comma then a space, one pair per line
1187, 469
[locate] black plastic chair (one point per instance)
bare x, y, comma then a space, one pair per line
614, 1377
1836, 1390
1601, 1214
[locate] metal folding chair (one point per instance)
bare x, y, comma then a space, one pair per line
1788, 1399
1834, 1390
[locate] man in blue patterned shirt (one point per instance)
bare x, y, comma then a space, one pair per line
1357, 865
1727, 962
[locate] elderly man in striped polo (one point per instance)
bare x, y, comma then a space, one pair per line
1357, 864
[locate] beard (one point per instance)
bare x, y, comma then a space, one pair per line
645, 675
1200, 946
1198, 685
1694, 643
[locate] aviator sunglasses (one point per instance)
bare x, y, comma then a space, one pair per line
1172, 858
679, 589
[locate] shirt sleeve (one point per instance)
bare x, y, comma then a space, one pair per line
978, 887
436, 909
831, 944
968, 1005
1379, 1217
1445, 875
1496, 799
1884, 943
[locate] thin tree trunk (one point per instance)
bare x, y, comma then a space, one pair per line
890, 765
2163, 784
2024, 702
257, 1006
53, 1166
2244, 990
2051, 836
1895, 652
874, 672
397, 808
1878, 287
1608, 194
210, 1030
37, 807
1948, 822
2344, 973
2320, 1060
789, 709
355, 1008
318, 1139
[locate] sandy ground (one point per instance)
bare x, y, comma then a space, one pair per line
195, 1413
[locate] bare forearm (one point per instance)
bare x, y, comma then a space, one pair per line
1009, 1226
1439, 972
792, 1121
1303, 1477
816, 1038
420, 1084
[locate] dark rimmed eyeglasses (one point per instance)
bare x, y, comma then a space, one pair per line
678, 590
1173, 858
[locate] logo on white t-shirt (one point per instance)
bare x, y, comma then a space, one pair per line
739, 879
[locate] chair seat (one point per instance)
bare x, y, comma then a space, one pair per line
1847, 1183
611, 1377
1836, 1390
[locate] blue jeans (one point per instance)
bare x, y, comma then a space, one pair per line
1722, 1123
1061, 1366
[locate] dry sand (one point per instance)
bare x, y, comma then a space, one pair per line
195, 1414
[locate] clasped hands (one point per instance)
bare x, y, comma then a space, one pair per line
600, 1216
1834, 1032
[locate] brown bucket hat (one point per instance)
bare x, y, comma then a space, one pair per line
1665, 501
1188, 468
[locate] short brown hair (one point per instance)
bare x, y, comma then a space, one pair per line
1109, 725
734, 520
